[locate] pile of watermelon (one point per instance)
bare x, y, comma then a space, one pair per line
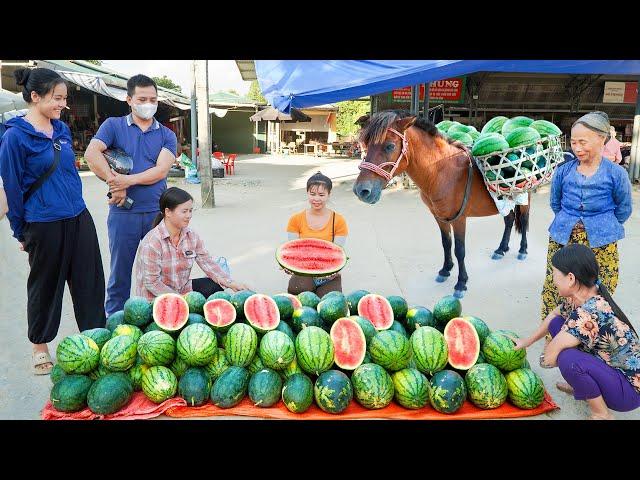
300, 349
500, 134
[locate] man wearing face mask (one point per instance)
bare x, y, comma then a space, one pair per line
152, 147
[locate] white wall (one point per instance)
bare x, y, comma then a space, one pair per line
317, 124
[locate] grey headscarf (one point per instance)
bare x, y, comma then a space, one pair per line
597, 122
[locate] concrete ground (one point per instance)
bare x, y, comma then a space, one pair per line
394, 248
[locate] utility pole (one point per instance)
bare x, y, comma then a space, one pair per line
204, 140
194, 116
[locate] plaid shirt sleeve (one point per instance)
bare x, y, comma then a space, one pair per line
152, 270
208, 265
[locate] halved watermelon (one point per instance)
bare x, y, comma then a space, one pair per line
349, 343
170, 312
377, 310
262, 312
219, 313
463, 343
311, 257
295, 301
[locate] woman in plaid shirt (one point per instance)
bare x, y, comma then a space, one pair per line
167, 253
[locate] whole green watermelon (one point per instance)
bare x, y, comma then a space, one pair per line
447, 391
297, 393
373, 386
486, 386
194, 386
70, 393
333, 391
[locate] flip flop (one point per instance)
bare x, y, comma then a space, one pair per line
41, 358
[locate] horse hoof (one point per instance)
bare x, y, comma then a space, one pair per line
497, 256
441, 278
458, 293
522, 256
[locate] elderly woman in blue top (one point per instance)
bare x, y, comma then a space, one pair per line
51, 222
591, 197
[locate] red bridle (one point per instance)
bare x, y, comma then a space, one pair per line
379, 169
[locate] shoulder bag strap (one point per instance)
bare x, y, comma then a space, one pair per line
38, 183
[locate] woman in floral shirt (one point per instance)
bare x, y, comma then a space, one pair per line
594, 344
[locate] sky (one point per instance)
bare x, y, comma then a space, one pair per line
223, 74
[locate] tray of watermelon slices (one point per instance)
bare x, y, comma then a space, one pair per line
514, 155
294, 354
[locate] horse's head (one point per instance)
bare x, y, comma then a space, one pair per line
385, 142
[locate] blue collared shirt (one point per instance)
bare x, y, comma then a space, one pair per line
144, 148
602, 202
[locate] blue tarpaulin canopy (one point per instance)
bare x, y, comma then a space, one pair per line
307, 83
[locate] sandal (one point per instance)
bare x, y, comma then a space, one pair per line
564, 387
42, 364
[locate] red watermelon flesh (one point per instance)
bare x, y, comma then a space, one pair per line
377, 310
349, 343
262, 312
295, 301
463, 343
311, 257
170, 312
219, 312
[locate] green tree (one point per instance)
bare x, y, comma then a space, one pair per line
95, 62
255, 93
348, 113
166, 82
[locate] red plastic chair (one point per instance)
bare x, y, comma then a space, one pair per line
219, 156
229, 165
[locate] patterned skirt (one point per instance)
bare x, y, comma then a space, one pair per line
608, 261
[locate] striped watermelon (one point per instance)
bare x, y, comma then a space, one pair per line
119, 353
481, 328
447, 391
70, 393
297, 393
367, 328
314, 350
515, 122
494, 125
159, 384
486, 386
135, 374
522, 136
463, 343
276, 350
292, 368
372, 386
396, 326
353, 298
429, 350
221, 294
98, 335
349, 343
128, 330
238, 299
417, 317
390, 350
109, 393
262, 312
218, 365
115, 319
193, 318
285, 306
498, 350
219, 313
57, 373
286, 329
265, 388
138, 312
333, 391
399, 307
78, 354
157, 348
411, 388
445, 309
195, 301
230, 387
377, 310
332, 308
526, 389
178, 367
197, 345
295, 301
305, 317
256, 364
170, 312
240, 344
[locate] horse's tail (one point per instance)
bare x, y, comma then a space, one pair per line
519, 213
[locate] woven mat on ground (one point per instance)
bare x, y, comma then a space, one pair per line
141, 408
355, 411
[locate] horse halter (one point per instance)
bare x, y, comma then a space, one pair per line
379, 169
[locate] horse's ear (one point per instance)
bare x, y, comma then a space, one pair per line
405, 123
362, 121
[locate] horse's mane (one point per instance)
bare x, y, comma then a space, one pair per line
375, 128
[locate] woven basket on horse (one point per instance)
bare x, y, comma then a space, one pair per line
520, 169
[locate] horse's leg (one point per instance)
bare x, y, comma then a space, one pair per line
459, 229
504, 244
524, 226
445, 234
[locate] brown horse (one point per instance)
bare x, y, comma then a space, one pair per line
449, 181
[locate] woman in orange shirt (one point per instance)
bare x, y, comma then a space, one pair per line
317, 221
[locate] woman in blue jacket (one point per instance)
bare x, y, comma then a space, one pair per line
591, 199
48, 215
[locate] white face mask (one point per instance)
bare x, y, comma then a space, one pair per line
145, 110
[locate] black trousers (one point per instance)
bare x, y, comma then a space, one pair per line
59, 252
205, 286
